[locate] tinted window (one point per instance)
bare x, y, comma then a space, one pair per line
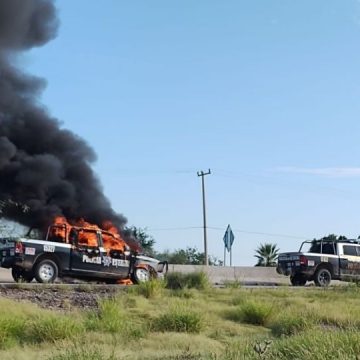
328, 248
350, 250
315, 248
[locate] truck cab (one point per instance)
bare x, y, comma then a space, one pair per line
321, 261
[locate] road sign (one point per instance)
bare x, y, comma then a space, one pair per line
228, 238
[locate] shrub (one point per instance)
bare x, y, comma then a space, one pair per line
251, 312
149, 289
291, 324
112, 318
52, 328
183, 293
109, 318
195, 280
179, 319
317, 345
11, 331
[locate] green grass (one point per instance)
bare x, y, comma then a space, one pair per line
112, 317
151, 289
196, 280
251, 312
154, 323
179, 319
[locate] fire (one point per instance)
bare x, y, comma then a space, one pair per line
87, 234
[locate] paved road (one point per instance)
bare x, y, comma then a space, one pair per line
5, 275
249, 276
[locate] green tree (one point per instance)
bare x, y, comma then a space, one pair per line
188, 256
266, 254
332, 237
142, 238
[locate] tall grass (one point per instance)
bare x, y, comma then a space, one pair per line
318, 345
82, 353
179, 319
292, 324
149, 289
41, 328
196, 280
251, 312
112, 317
216, 324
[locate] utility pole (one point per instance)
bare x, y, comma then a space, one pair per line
202, 174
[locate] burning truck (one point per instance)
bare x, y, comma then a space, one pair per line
81, 250
46, 170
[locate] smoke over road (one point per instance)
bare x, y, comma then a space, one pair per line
43, 168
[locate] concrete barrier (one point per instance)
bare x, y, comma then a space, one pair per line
242, 274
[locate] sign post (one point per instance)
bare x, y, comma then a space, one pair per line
228, 241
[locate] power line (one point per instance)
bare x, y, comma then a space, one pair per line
235, 230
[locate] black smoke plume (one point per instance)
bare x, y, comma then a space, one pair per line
45, 170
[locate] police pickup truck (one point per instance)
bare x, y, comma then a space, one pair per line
73, 255
321, 261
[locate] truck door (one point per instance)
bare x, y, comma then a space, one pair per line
350, 261
115, 259
85, 252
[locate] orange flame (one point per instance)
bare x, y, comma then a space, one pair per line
88, 234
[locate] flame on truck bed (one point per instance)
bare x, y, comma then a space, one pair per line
87, 234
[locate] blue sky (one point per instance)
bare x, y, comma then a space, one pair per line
264, 93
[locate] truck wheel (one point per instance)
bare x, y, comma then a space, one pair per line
46, 271
20, 275
141, 275
322, 277
297, 280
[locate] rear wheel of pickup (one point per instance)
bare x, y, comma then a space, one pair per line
46, 271
322, 277
20, 275
297, 280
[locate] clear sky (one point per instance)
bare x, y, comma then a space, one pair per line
264, 93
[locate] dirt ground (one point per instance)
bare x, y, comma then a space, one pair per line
60, 297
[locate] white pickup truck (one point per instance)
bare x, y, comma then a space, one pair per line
321, 261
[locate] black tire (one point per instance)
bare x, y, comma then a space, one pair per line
322, 277
141, 275
298, 280
21, 276
46, 271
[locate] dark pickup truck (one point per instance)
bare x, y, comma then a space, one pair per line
46, 260
321, 261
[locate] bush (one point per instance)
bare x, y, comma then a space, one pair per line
179, 319
149, 289
195, 280
183, 293
250, 312
20, 329
11, 331
52, 328
109, 318
112, 318
317, 345
291, 324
